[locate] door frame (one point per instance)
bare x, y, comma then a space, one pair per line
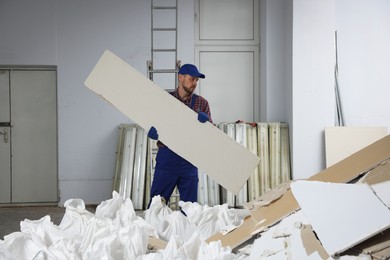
11, 68
232, 44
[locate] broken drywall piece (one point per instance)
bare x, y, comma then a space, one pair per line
212, 151
311, 244
377, 175
378, 246
271, 214
236, 236
268, 197
344, 171
291, 238
342, 215
382, 191
379, 180
259, 221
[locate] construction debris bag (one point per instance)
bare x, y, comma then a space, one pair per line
116, 232
156, 213
211, 220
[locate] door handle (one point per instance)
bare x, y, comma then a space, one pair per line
5, 135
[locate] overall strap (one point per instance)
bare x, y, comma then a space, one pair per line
193, 99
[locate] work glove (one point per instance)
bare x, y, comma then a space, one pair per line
152, 134
203, 117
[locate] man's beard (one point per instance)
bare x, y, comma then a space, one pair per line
188, 90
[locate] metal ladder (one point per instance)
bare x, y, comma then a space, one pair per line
162, 7
166, 32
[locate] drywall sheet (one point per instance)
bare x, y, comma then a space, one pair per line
291, 238
311, 243
204, 145
259, 220
344, 171
357, 163
342, 215
340, 142
378, 246
379, 180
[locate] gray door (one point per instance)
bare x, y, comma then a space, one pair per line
33, 138
227, 46
5, 143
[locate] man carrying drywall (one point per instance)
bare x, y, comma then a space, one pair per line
171, 169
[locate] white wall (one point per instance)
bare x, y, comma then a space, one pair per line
313, 83
87, 124
20, 41
363, 29
73, 34
297, 58
303, 95
364, 58
274, 37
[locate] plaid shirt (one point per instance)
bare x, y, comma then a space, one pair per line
200, 104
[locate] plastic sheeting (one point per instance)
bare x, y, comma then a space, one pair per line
116, 232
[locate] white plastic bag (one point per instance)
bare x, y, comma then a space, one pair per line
177, 225
157, 213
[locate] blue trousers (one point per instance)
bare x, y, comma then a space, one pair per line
172, 170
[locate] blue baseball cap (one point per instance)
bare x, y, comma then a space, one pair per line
191, 70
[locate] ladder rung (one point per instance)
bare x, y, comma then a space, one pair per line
164, 29
163, 71
164, 50
164, 7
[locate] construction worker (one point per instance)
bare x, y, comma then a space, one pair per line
172, 170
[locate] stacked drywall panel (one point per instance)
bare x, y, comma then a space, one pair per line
254, 189
213, 192
279, 153
274, 149
208, 190
139, 172
150, 165
130, 172
241, 138
270, 142
285, 164
202, 189
227, 196
125, 161
263, 153
136, 161
119, 157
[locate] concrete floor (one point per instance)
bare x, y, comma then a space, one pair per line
10, 217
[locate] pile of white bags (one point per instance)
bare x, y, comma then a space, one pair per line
116, 232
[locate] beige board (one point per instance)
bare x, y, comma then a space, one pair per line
341, 142
203, 144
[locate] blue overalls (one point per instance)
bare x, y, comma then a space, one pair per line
172, 170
